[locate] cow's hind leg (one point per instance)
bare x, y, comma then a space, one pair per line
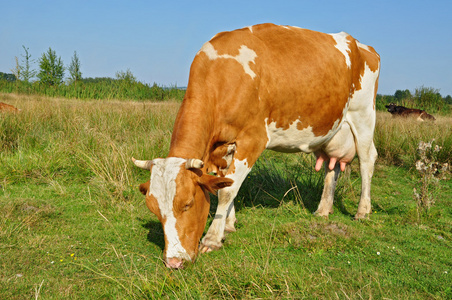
367, 154
326, 202
366, 165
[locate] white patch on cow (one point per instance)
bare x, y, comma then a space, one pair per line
250, 28
342, 45
294, 140
362, 46
362, 100
245, 56
163, 188
241, 170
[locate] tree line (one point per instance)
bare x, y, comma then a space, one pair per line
426, 98
49, 80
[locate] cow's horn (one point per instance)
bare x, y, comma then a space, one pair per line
194, 163
143, 164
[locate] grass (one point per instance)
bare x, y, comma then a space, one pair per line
96, 88
74, 224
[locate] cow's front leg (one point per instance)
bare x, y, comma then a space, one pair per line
225, 215
230, 221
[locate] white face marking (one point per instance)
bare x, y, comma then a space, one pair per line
342, 45
245, 56
163, 188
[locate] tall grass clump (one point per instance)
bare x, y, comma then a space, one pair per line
86, 142
397, 139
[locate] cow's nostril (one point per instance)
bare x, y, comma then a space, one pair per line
175, 263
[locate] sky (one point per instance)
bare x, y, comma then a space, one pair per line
157, 40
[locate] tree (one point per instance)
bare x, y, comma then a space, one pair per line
448, 99
402, 95
26, 72
11, 77
127, 76
430, 99
51, 68
74, 69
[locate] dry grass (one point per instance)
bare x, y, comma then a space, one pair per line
397, 139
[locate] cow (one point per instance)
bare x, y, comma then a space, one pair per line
266, 86
397, 110
7, 108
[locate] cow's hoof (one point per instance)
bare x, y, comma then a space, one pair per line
206, 249
229, 228
361, 216
323, 214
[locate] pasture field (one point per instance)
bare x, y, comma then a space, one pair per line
73, 224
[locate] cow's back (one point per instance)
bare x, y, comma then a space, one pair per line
277, 76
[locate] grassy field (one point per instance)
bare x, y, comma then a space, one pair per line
74, 225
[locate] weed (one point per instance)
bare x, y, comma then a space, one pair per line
431, 172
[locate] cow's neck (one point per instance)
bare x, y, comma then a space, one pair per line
192, 130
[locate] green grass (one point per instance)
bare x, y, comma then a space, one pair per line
95, 88
75, 226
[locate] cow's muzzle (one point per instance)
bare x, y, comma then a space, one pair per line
174, 263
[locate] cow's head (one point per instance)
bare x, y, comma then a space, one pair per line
177, 194
391, 107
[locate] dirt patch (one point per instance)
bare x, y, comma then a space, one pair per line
316, 235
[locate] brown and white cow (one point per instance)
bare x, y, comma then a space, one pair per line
262, 87
402, 111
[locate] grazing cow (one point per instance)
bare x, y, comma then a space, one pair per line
397, 110
7, 108
262, 87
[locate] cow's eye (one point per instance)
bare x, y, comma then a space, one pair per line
188, 205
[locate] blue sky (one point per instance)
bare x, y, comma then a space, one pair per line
157, 40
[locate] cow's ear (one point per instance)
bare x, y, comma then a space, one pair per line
144, 187
214, 183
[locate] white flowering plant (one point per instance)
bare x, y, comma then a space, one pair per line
431, 172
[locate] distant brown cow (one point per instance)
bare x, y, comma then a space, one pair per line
7, 108
397, 110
